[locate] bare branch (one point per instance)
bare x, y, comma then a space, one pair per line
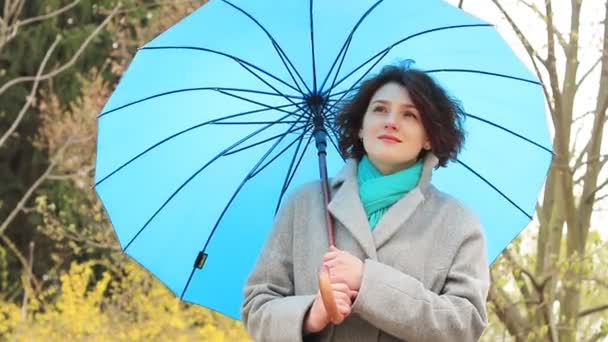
598, 336
8, 29
574, 144
22, 259
28, 283
48, 15
531, 53
460, 3
22, 202
158, 3
67, 65
598, 281
601, 198
30, 98
599, 187
592, 310
69, 176
584, 115
586, 74
517, 269
507, 312
543, 17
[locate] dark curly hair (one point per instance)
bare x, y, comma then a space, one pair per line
442, 116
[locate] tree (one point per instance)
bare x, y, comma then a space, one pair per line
559, 286
41, 42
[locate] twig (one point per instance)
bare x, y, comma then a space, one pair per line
541, 16
48, 15
531, 53
32, 94
21, 259
21, 204
592, 310
599, 187
68, 64
582, 79
29, 270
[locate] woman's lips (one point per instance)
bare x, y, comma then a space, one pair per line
389, 138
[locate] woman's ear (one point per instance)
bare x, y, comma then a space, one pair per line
427, 145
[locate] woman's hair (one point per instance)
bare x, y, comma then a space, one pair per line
441, 115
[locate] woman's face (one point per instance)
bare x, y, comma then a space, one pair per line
392, 132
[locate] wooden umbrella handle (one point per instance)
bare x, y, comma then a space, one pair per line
328, 297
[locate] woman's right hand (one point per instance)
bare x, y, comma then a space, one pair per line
317, 318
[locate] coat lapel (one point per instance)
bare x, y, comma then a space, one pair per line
401, 211
346, 207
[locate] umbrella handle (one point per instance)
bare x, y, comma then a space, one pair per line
327, 295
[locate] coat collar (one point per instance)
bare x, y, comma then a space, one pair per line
347, 208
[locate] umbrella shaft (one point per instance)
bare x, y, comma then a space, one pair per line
321, 142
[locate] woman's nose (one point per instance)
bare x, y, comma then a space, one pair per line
390, 120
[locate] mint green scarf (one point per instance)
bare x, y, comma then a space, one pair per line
379, 192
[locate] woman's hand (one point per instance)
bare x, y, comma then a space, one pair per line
344, 268
317, 318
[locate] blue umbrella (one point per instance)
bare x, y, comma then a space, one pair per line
219, 118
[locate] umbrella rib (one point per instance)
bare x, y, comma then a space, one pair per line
333, 82
253, 122
249, 176
494, 188
262, 104
476, 118
218, 89
484, 73
387, 50
276, 46
509, 131
333, 105
312, 44
268, 84
343, 92
292, 174
330, 116
301, 136
234, 58
346, 45
265, 140
289, 170
221, 154
185, 131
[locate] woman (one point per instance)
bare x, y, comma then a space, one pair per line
410, 262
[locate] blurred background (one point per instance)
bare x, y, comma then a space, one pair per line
62, 273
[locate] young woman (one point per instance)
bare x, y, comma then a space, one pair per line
410, 261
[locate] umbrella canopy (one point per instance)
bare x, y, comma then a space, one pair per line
211, 127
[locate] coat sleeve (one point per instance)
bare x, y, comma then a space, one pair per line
401, 306
271, 311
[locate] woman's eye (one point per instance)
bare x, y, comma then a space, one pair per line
409, 114
378, 109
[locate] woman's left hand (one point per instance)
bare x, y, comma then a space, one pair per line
344, 267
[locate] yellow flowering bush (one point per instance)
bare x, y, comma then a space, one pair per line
87, 306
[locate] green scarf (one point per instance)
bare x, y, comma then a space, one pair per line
379, 192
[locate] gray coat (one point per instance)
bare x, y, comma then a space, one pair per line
425, 273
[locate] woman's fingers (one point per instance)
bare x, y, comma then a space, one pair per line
340, 287
336, 278
330, 256
342, 300
345, 310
